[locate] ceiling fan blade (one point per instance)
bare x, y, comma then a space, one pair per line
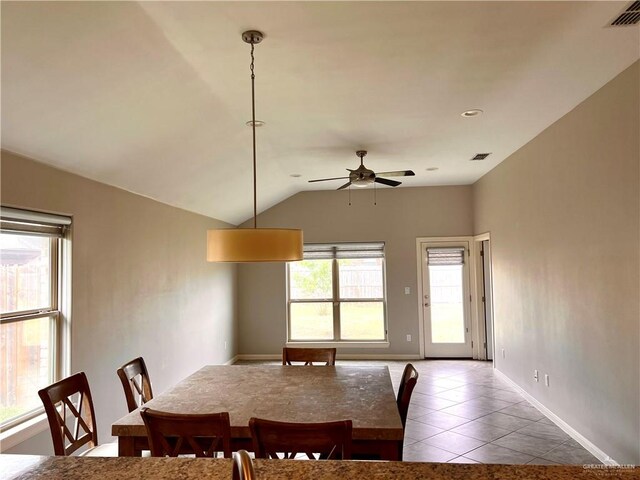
325, 179
385, 181
397, 173
344, 186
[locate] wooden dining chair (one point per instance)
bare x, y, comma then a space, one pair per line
136, 383
243, 466
330, 440
69, 401
407, 384
309, 355
172, 434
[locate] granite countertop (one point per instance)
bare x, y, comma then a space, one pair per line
13, 467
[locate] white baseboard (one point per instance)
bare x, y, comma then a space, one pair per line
595, 451
231, 361
349, 356
260, 356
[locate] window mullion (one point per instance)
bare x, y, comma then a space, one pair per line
54, 340
311, 300
10, 318
289, 301
336, 298
55, 273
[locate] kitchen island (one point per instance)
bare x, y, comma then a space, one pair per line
22, 467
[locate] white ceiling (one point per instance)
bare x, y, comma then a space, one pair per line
153, 97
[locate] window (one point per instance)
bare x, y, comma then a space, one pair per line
31, 266
337, 294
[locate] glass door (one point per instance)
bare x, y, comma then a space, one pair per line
446, 300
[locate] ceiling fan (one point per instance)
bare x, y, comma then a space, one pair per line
362, 176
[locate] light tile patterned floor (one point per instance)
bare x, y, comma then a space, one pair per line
461, 412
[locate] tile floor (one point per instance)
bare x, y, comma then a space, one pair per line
461, 412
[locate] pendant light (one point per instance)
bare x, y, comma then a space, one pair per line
254, 244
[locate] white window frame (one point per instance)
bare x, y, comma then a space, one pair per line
336, 301
18, 221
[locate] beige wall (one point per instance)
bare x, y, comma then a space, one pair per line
141, 284
400, 216
563, 213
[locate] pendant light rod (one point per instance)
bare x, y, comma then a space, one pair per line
253, 131
252, 37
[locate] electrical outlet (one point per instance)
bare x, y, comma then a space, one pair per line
408, 338
407, 290
503, 353
535, 375
546, 379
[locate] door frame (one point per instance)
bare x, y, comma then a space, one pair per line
419, 290
477, 308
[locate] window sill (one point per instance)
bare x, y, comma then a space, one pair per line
23, 432
381, 344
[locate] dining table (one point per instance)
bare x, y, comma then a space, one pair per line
297, 394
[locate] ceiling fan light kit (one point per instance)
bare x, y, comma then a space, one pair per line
244, 245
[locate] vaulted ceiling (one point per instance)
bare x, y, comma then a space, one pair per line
153, 97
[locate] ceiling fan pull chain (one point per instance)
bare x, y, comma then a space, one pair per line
374, 194
349, 195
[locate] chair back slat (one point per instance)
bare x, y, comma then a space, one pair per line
64, 401
172, 434
329, 440
309, 355
136, 383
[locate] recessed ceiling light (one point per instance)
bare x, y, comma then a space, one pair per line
259, 123
471, 113
432, 169
295, 175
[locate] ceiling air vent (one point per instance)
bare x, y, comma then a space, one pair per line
480, 156
631, 16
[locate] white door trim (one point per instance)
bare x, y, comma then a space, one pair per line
419, 242
477, 313
481, 237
